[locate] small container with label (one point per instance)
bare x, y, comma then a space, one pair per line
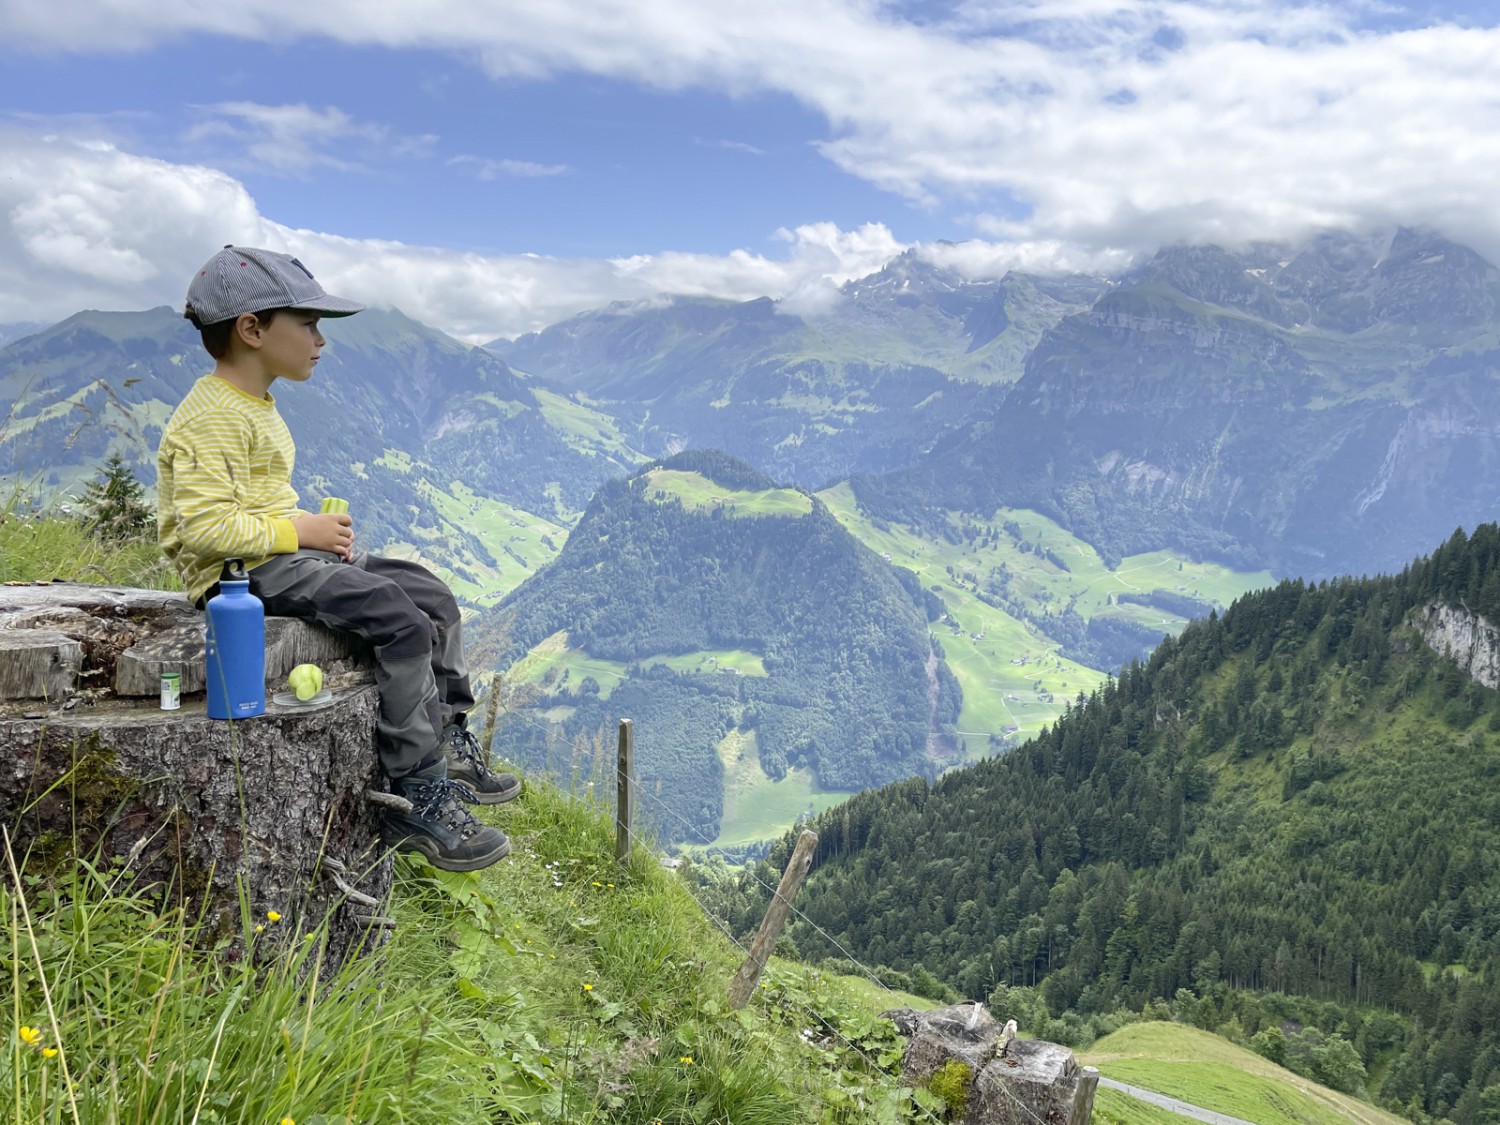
171, 691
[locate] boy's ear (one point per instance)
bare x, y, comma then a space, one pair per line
247, 328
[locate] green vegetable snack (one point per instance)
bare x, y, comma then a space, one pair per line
306, 680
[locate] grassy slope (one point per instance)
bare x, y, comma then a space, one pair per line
697, 492
520, 542
984, 644
1201, 1068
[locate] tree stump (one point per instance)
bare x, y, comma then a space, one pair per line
1010, 1081
270, 813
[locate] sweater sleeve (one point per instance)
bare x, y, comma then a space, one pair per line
210, 471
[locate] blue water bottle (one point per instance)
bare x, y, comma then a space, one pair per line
235, 647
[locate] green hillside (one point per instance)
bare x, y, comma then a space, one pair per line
1229, 827
1208, 1071
1032, 612
707, 604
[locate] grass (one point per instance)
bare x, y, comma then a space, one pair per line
62, 548
1015, 680
584, 428
697, 492
1208, 1071
557, 986
519, 542
553, 662
713, 661
757, 808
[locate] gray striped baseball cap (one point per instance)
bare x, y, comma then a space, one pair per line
239, 279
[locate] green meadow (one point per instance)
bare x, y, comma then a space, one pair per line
554, 663
518, 541
716, 661
755, 807
583, 427
1015, 680
697, 492
1207, 1071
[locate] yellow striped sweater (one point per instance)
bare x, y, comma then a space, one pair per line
224, 483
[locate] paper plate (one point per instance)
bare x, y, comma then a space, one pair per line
289, 699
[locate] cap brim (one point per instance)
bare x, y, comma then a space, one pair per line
330, 305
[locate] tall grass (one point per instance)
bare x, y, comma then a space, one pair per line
44, 546
121, 1011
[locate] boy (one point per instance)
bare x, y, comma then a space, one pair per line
225, 491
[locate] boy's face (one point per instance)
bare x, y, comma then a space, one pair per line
290, 345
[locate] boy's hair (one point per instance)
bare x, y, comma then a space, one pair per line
216, 336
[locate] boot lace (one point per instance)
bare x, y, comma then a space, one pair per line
441, 799
466, 746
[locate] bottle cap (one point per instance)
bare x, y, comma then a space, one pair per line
234, 571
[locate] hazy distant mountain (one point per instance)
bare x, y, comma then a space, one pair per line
1322, 410
400, 419
862, 385
18, 329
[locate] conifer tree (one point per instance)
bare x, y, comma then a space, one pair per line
115, 505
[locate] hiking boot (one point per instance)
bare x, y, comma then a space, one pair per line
468, 767
438, 826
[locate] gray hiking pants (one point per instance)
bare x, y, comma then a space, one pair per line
410, 617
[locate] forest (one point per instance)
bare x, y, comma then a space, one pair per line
1286, 820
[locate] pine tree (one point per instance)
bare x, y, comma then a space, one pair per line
115, 505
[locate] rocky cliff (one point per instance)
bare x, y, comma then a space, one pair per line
1465, 638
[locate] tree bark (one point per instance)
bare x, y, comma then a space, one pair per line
238, 818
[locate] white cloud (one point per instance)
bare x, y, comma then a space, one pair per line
1075, 133
88, 225
1108, 124
294, 139
489, 169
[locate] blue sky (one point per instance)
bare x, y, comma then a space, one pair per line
492, 167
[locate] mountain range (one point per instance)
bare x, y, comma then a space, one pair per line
444, 452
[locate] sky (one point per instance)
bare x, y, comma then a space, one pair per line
494, 166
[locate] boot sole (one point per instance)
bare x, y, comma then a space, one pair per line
490, 798
429, 852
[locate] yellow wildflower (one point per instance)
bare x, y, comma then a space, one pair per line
31, 1036
272, 916
686, 1060
259, 928
597, 883
49, 1052
588, 988
287, 1120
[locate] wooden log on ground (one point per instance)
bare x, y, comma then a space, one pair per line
272, 811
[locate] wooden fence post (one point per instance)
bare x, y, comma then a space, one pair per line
748, 974
1083, 1096
624, 798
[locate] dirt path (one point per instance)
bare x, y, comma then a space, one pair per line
1173, 1105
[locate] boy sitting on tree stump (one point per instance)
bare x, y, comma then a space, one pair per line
225, 491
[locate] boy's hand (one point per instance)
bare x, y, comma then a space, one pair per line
326, 531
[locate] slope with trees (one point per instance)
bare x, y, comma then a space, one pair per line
1287, 818
853, 686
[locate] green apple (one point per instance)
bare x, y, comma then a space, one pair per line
306, 680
